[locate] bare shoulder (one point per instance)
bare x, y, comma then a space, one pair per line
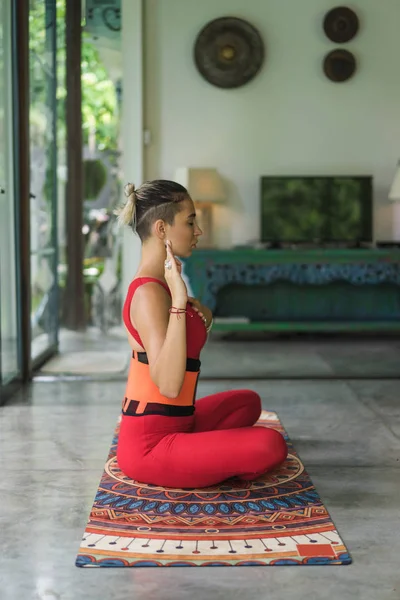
150, 316
150, 298
151, 292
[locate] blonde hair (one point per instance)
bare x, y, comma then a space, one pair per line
127, 213
153, 200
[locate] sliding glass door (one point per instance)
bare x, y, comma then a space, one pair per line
43, 156
9, 316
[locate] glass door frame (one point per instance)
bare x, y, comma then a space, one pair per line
51, 252
11, 55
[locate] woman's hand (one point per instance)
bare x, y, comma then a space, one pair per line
203, 311
174, 279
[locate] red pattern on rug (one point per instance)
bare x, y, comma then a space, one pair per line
277, 520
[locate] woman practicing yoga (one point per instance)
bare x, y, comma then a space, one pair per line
165, 438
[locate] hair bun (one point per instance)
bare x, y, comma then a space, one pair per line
127, 213
129, 189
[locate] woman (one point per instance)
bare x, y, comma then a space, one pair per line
164, 439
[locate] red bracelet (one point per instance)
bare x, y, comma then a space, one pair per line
177, 311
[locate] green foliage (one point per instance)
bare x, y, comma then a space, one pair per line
95, 177
99, 100
100, 117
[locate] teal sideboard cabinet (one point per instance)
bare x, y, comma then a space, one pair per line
298, 290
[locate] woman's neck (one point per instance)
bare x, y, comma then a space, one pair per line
152, 261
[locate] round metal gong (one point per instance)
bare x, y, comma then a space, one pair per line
228, 52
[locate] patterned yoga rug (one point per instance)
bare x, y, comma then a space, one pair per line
277, 520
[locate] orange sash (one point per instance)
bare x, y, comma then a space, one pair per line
141, 387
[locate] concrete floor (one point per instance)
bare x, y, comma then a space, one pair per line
54, 441
251, 355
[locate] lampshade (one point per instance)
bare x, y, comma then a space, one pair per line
394, 194
203, 185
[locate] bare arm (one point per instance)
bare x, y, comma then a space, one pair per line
163, 336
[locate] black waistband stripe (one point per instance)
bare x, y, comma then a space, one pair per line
192, 364
154, 408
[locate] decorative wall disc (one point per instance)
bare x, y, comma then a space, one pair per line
339, 65
341, 24
228, 52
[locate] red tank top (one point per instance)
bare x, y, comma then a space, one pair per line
196, 334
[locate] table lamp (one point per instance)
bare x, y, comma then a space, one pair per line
205, 188
394, 194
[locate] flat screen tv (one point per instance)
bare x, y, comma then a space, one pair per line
316, 209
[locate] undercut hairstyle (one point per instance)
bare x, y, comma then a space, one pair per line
153, 200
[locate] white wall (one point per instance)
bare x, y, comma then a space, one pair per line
290, 119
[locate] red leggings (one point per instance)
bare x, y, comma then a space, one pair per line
216, 443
